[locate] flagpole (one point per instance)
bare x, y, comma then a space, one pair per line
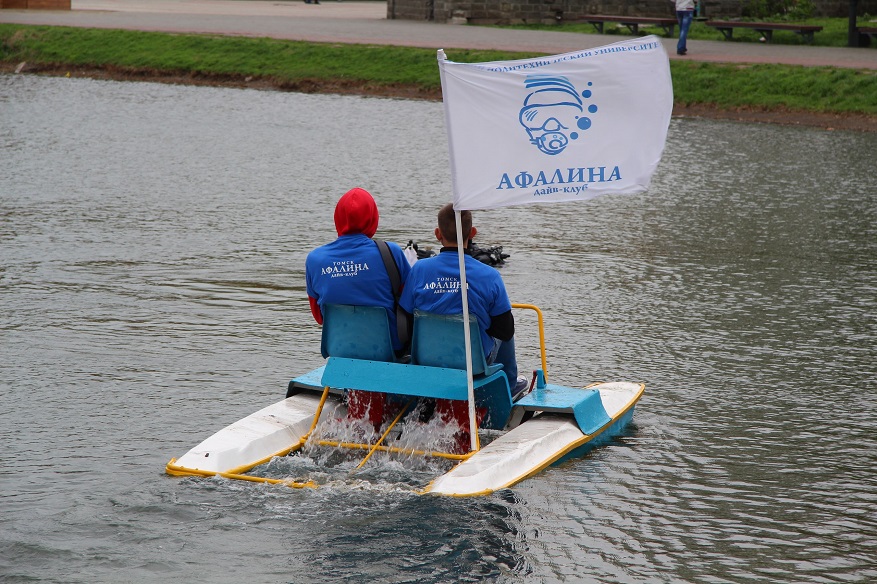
467, 338
464, 289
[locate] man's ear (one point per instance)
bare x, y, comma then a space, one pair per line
438, 233
472, 233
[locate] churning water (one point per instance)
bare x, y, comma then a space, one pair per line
152, 244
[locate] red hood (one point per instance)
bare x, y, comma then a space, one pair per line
356, 212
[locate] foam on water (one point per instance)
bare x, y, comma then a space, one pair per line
334, 466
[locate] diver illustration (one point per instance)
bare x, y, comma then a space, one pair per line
553, 112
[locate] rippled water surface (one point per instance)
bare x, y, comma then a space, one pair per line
152, 244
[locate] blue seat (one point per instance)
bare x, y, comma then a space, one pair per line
356, 332
356, 340
439, 341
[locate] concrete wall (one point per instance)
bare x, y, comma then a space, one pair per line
550, 11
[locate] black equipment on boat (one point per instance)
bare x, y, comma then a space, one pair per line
492, 256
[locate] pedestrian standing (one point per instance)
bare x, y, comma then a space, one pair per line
684, 15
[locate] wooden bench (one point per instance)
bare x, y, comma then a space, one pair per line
866, 35
631, 22
765, 28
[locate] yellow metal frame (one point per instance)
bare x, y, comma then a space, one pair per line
238, 473
174, 470
395, 449
541, 321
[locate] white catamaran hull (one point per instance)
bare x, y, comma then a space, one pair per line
535, 445
519, 453
254, 440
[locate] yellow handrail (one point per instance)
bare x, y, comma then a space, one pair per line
541, 334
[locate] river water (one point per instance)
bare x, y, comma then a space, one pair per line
152, 240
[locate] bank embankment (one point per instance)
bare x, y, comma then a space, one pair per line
826, 97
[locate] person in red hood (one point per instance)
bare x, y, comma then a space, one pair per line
350, 270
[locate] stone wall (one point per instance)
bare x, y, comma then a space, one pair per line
551, 11
36, 4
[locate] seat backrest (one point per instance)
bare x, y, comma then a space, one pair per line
438, 341
356, 332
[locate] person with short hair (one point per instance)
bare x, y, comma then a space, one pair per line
434, 286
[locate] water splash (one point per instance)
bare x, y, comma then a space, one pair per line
338, 466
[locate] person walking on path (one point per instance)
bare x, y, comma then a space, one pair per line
684, 15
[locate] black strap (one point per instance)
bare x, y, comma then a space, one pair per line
392, 268
396, 286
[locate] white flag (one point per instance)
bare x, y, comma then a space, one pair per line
559, 128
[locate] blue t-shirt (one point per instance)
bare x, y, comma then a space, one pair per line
350, 271
434, 286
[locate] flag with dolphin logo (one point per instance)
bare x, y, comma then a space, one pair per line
557, 128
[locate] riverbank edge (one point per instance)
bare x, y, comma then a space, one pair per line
781, 116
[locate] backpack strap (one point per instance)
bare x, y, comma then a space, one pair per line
396, 285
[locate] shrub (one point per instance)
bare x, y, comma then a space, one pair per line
779, 9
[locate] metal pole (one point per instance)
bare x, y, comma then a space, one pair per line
853, 36
464, 295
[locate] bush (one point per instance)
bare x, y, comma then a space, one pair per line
779, 9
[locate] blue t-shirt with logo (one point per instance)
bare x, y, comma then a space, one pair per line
350, 271
434, 286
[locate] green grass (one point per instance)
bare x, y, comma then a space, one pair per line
225, 55
834, 31
729, 86
817, 89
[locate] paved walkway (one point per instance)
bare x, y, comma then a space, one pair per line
365, 22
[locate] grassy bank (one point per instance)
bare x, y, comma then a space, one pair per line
399, 71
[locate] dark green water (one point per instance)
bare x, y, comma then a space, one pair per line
152, 243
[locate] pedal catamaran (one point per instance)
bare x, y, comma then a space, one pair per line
561, 128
